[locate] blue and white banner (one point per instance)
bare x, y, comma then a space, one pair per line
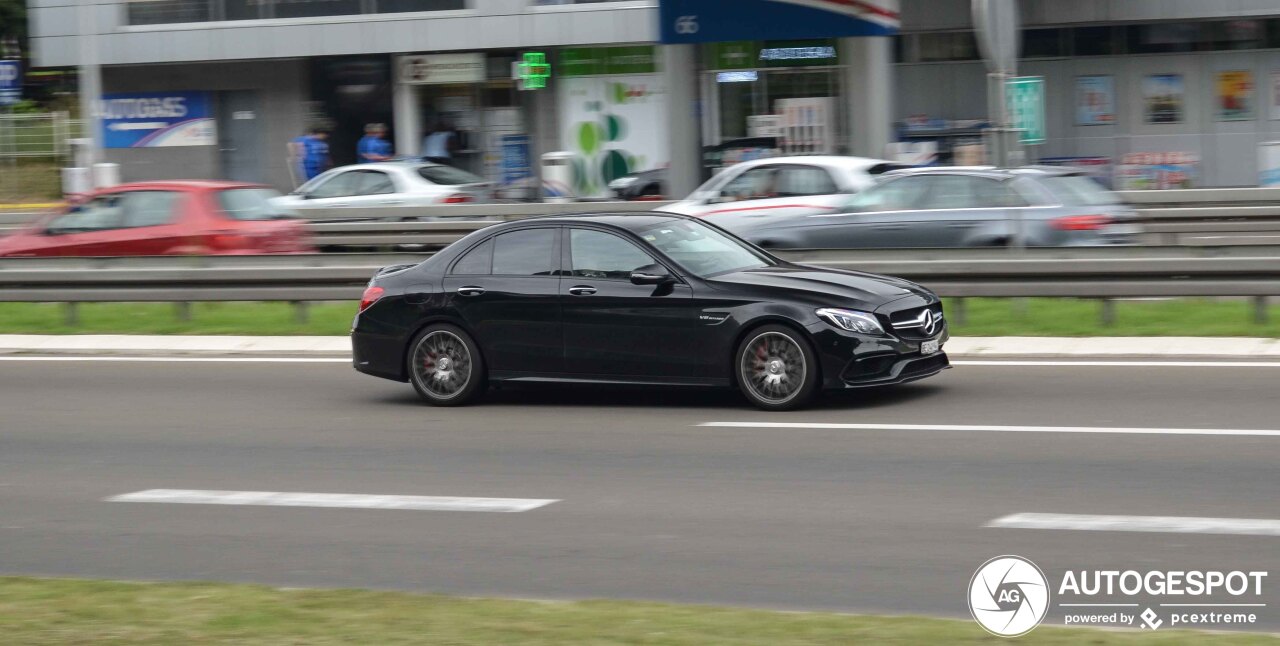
157, 119
10, 82
710, 21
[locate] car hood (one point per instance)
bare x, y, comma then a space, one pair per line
832, 287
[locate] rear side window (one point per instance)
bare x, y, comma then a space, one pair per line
525, 253
1078, 190
475, 262
892, 195
374, 182
804, 180
961, 192
251, 204
447, 175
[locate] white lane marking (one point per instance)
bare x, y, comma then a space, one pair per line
340, 500
1001, 429
1163, 524
1123, 364
184, 359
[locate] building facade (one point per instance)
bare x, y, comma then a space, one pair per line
1193, 77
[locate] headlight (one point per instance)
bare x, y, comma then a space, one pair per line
860, 322
623, 182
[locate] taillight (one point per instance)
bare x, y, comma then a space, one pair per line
371, 296
1081, 222
459, 198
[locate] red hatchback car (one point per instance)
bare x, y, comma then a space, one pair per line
165, 218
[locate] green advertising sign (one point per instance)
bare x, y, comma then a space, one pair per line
594, 61
749, 55
1024, 96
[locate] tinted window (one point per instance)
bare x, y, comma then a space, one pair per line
525, 253
477, 261
804, 180
702, 249
340, 185
447, 175
251, 204
603, 255
149, 208
1077, 190
892, 195
960, 192
372, 182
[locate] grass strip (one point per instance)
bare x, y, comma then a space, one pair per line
73, 611
983, 317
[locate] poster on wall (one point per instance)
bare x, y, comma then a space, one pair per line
1095, 100
1163, 98
1157, 171
1235, 95
157, 120
614, 126
1275, 95
808, 125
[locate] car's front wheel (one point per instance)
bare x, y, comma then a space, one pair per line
445, 366
776, 368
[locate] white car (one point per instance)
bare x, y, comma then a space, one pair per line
782, 186
392, 183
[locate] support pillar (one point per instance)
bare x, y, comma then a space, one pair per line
868, 83
405, 113
680, 71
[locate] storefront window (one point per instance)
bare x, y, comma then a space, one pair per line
1094, 41
397, 6
158, 12
1162, 38
738, 100
1043, 43
1236, 34
948, 46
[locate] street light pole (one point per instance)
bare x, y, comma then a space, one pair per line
90, 81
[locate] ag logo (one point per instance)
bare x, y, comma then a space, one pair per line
687, 25
1008, 596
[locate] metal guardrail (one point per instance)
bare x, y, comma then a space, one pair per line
1082, 273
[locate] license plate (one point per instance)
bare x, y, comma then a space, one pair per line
929, 347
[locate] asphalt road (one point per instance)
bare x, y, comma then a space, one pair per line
651, 505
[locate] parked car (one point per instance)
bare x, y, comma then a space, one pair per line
782, 185
165, 218
644, 299
644, 185
954, 207
393, 183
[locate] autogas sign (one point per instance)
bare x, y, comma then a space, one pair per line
157, 119
10, 82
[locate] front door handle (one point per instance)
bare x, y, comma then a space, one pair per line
470, 290
890, 227
582, 290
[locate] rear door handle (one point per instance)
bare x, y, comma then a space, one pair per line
582, 290
391, 202
470, 290
890, 227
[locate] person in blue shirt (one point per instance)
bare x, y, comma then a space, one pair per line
311, 153
373, 146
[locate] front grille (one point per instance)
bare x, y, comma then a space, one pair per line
908, 324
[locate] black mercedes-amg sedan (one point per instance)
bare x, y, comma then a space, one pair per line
647, 298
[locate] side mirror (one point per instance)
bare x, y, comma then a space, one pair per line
651, 275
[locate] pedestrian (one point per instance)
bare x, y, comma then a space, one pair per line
315, 153
441, 144
373, 146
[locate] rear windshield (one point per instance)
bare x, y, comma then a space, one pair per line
447, 175
1078, 190
251, 204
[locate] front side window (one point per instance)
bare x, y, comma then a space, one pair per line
701, 249
340, 185
603, 255
961, 192
372, 182
118, 210
752, 184
900, 194
149, 208
530, 252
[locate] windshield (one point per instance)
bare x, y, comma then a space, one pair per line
1078, 190
447, 175
702, 249
251, 204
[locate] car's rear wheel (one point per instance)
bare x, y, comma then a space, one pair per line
776, 368
445, 366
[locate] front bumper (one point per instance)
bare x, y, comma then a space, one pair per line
851, 360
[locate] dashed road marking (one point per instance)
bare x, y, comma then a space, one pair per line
1162, 524
331, 500
985, 428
